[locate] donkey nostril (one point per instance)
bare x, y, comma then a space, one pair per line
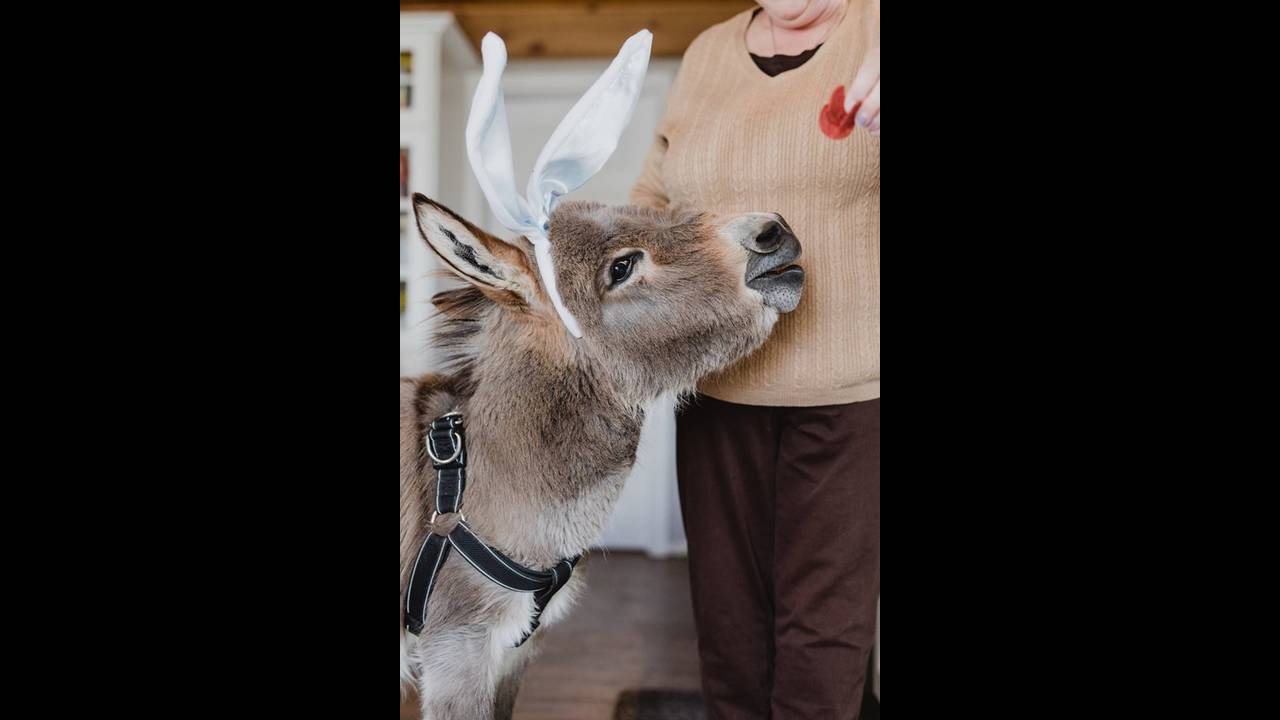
770, 237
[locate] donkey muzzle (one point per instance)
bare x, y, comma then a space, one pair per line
771, 270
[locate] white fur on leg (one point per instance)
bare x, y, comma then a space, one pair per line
406, 671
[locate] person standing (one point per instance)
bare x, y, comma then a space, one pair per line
778, 109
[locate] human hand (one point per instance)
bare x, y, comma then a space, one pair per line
864, 92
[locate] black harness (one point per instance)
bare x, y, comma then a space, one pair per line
449, 529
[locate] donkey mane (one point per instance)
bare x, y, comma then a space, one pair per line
459, 321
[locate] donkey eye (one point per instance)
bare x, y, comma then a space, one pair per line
621, 269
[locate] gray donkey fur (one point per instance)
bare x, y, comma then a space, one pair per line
553, 422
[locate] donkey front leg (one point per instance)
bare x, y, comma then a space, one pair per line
459, 675
514, 662
467, 675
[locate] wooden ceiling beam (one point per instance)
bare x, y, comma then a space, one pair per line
585, 28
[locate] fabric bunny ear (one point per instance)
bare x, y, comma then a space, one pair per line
489, 142
590, 131
578, 148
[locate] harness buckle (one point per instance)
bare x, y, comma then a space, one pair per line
454, 422
457, 450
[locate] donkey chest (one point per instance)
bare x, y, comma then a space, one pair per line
551, 497
580, 517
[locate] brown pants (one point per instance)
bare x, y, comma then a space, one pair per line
782, 509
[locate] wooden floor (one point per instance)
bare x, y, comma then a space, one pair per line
633, 629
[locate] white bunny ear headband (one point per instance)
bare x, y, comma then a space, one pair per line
579, 147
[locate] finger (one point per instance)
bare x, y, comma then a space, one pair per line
874, 127
870, 107
867, 77
859, 88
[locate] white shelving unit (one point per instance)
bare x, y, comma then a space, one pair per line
431, 129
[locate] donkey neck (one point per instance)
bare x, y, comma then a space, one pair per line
550, 444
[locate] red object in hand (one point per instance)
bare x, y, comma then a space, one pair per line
834, 121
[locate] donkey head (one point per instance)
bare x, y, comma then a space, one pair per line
662, 297
649, 300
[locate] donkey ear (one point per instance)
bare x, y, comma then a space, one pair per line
481, 259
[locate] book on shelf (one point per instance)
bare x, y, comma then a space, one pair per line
406, 78
404, 239
404, 173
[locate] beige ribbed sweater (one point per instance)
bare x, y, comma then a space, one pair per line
736, 140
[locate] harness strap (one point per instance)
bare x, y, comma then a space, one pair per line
431, 557
563, 571
445, 446
447, 450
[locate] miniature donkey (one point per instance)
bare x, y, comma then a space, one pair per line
663, 298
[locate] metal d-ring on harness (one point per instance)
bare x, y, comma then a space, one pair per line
449, 530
